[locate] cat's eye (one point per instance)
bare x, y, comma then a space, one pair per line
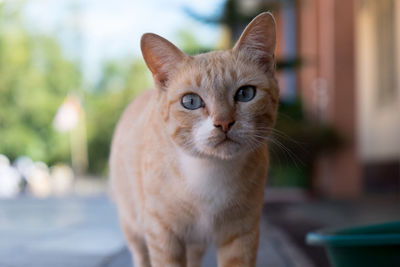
192, 101
245, 93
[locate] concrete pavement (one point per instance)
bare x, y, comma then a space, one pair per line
84, 232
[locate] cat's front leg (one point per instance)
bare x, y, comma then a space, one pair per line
137, 245
238, 249
165, 248
194, 254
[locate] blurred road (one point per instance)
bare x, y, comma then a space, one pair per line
73, 231
84, 232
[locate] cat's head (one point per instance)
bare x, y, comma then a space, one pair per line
218, 104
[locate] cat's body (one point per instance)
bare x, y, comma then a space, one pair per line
184, 175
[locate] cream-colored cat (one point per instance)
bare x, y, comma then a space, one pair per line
189, 159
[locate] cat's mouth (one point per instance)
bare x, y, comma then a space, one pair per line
225, 140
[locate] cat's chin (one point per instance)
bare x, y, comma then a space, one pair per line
225, 150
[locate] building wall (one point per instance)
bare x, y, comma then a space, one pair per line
327, 84
378, 80
350, 78
378, 89
308, 51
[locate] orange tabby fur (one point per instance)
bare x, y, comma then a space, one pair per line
177, 184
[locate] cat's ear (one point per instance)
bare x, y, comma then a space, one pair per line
258, 39
161, 57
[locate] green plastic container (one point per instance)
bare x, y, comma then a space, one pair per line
366, 246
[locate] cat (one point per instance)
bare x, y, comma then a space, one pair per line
189, 159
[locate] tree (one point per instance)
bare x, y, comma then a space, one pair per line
35, 77
121, 81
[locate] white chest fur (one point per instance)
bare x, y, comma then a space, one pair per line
211, 181
212, 184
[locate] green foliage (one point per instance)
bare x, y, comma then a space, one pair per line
188, 43
104, 106
233, 14
34, 79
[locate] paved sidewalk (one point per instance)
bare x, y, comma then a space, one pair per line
84, 232
275, 250
75, 231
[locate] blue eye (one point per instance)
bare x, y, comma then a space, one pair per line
192, 101
245, 93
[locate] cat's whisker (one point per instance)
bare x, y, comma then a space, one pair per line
288, 152
260, 139
284, 137
281, 134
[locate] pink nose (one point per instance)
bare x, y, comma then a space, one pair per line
224, 125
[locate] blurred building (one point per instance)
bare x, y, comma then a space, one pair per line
350, 77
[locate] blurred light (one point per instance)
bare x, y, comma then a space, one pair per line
67, 116
9, 178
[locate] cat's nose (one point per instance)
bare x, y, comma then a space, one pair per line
224, 125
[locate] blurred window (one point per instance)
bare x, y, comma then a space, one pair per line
385, 14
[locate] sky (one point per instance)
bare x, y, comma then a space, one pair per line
95, 30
